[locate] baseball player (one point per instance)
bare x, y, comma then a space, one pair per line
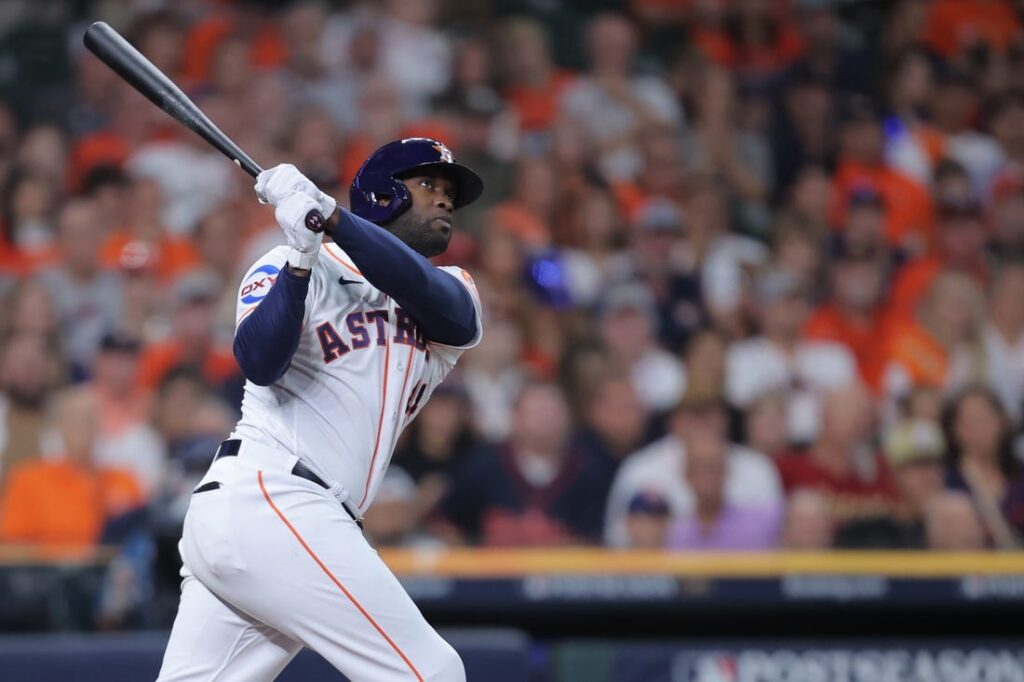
341, 342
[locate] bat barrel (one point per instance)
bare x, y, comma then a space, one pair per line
141, 74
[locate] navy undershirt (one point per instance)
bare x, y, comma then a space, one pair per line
267, 339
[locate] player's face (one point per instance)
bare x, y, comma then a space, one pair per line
427, 226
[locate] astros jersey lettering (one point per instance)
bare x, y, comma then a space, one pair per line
362, 371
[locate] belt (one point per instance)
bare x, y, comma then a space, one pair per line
230, 448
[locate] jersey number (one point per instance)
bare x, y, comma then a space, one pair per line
413, 403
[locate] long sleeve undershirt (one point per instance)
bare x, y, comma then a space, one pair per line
442, 307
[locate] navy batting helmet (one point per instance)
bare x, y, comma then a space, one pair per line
380, 177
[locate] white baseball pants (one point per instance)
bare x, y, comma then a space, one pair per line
272, 563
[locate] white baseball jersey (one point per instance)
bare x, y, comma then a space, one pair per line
362, 371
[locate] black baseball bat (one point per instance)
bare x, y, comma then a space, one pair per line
130, 64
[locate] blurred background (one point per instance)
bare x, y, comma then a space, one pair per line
753, 280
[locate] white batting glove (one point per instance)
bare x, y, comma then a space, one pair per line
290, 212
274, 184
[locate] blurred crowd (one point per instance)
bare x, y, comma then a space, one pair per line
752, 270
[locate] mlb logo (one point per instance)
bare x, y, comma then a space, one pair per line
716, 668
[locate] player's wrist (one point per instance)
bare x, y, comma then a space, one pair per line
302, 260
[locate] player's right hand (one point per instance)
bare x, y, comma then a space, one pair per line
290, 212
275, 184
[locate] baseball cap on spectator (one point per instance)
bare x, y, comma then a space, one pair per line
958, 204
843, 250
648, 503
914, 441
197, 287
775, 285
660, 216
628, 297
863, 195
858, 109
116, 341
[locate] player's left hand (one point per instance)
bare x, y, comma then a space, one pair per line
290, 213
275, 184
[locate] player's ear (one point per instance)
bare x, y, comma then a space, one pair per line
383, 200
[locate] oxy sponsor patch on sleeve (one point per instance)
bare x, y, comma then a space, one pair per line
258, 284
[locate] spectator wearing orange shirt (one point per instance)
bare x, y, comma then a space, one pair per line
753, 37
953, 26
940, 346
28, 373
66, 502
861, 162
533, 83
855, 316
961, 240
173, 255
192, 342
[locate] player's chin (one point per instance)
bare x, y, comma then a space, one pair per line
434, 241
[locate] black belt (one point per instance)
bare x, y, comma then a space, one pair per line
230, 448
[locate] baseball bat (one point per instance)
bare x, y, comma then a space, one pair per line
130, 64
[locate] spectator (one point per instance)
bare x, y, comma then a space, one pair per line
125, 440
647, 521
192, 342
28, 218
537, 491
28, 372
953, 524
862, 162
955, 107
65, 502
1006, 212
914, 450
494, 378
1003, 339
172, 254
614, 420
723, 257
718, 147
940, 346
438, 443
982, 464
802, 131
961, 246
764, 424
661, 256
88, 298
781, 358
534, 85
392, 520
808, 525
855, 315
628, 332
611, 104
842, 463
750, 478
714, 523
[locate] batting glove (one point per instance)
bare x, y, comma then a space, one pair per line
290, 212
274, 184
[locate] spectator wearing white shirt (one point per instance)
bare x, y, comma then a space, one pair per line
628, 325
781, 359
613, 105
751, 479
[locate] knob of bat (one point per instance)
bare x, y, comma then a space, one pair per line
315, 221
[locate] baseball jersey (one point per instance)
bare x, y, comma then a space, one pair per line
362, 371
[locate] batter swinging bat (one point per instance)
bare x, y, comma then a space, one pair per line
141, 74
